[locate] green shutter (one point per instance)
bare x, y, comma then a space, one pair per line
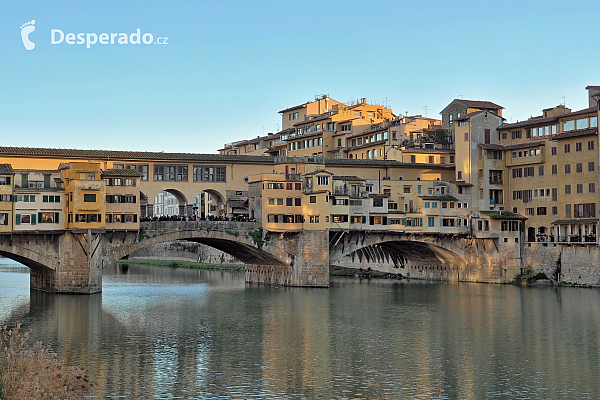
45, 199
404, 221
100, 218
32, 219
385, 220
40, 217
371, 220
134, 217
134, 182
364, 219
18, 219
56, 215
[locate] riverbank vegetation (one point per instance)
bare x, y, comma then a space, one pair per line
34, 372
184, 264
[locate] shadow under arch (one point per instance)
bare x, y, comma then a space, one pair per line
404, 251
24, 260
243, 252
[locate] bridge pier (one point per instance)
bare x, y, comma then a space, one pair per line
74, 270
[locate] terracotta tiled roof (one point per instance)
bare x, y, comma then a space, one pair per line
425, 151
383, 163
307, 135
575, 221
571, 134
439, 197
6, 169
539, 120
525, 145
347, 178
462, 183
480, 104
503, 215
121, 172
128, 155
362, 146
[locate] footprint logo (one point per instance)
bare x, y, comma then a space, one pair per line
26, 29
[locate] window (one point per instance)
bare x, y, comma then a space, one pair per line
407, 189
541, 211
271, 202
591, 166
579, 146
289, 202
541, 170
579, 167
434, 204
297, 201
51, 199
516, 134
584, 210
466, 136
582, 123
554, 210
48, 218
322, 180
279, 202
459, 175
377, 202
313, 219
567, 168
568, 126
554, 151
554, 194
567, 211
89, 198
554, 169
3, 218
530, 211
313, 199
528, 171
567, 189
591, 145
4, 180
567, 147
592, 187
517, 173
580, 188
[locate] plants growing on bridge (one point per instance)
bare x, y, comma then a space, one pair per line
35, 372
257, 237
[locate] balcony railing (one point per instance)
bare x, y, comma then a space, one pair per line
496, 181
293, 177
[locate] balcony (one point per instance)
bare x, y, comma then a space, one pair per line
496, 181
293, 177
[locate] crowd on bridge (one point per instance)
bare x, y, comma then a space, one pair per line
179, 218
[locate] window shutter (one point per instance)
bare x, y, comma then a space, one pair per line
134, 217
385, 220
99, 217
18, 219
45, 199
32, 219
135, 199
364, 219
371, 220
40, 217
404, 221
56, 215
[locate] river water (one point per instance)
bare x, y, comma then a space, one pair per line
186, 334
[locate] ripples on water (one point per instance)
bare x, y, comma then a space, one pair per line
184, 334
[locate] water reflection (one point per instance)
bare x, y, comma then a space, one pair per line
174, 333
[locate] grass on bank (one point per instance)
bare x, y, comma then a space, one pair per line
34, 372
184, 264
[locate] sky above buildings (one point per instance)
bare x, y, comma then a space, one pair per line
228, 67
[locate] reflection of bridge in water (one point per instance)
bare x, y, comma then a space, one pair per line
73, 261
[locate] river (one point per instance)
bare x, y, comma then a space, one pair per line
168, 333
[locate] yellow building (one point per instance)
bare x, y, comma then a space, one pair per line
85, 192
7, 175
38, 201
122, 199
551, 173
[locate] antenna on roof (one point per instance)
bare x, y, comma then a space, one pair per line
563, 100
385, 102
461, 96
425, 108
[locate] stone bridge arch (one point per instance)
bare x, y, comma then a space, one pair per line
448, 257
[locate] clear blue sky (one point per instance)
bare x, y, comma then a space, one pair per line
229, 66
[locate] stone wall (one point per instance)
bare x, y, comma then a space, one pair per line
186, 251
